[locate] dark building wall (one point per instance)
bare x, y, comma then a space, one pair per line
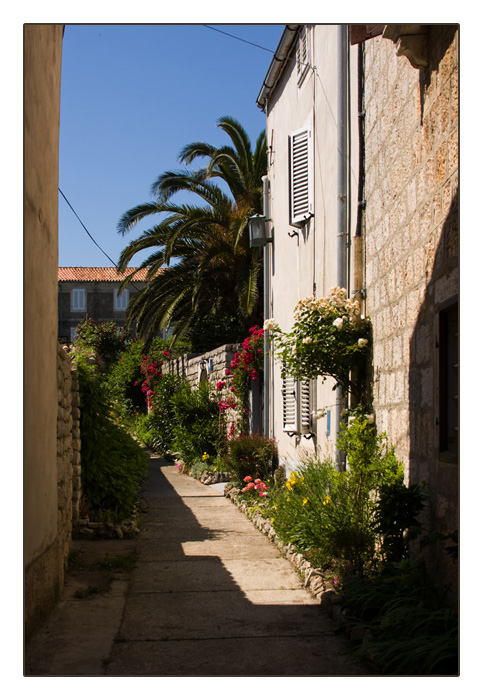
100, 304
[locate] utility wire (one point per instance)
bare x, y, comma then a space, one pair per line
245, 41
91, 237
238, 38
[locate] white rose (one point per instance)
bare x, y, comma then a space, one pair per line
370, 419
361, 342
270, 325
338, 323
319, 413
344, 412
307, 340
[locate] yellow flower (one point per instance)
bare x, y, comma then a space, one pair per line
272, 520
306, 500
289, 485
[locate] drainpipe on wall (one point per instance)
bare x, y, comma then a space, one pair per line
266, 311
342, 204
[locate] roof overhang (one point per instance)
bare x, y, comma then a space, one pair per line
278, 63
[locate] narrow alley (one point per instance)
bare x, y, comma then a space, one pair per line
209, 596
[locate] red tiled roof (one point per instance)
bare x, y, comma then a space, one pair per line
97, 274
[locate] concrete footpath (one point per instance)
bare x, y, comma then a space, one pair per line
209, 596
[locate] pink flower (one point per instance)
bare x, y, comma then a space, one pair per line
247, 478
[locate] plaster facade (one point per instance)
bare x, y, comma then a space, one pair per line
43, 555
302, 260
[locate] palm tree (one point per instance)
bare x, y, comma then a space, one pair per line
208, 267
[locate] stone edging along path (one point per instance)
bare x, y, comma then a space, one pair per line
330, 600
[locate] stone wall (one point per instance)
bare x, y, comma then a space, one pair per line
210, 365
411, 249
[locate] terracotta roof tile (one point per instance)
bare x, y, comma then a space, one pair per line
97, 274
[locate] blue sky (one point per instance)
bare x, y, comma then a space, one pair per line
131, 97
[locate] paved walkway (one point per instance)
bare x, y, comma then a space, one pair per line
210, 596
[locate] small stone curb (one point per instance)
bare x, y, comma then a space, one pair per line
330, 600
90, 530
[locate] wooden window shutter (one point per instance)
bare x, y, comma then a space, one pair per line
303, 55
301, 176
305, 407
289, 404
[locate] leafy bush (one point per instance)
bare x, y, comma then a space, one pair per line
198, 425
334, 515
106, 339
251, 455
411, 630
113, 464
396, 513
124, 382
156, 429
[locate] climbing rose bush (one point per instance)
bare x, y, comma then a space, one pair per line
328, 339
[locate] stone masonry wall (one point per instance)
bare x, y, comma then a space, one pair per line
210, 366
411, 190
411, 257
68, 451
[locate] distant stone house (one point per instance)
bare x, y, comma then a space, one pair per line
93, 292
362, 193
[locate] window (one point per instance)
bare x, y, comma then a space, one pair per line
296, 405
303, 56
448, 379
78, 299
301, 178
121, 301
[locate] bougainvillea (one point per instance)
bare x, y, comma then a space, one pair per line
247, 365
151, 369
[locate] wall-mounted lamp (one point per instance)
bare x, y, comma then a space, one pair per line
257, 231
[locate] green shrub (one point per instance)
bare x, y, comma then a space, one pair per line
156, 429
113, 464
106, 339
334, 516
124, 381
300, 509
251, 455
198, 425
411, 630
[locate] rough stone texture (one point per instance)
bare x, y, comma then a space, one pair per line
210, 366
64, 452
411, 252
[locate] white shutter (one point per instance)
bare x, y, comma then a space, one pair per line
301, 177
289, 404
303, 55
305, 407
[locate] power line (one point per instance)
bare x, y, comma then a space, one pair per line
85, 229
91, 237
264, 48
239, 38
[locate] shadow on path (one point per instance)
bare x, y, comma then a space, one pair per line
212, 596
209, 596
